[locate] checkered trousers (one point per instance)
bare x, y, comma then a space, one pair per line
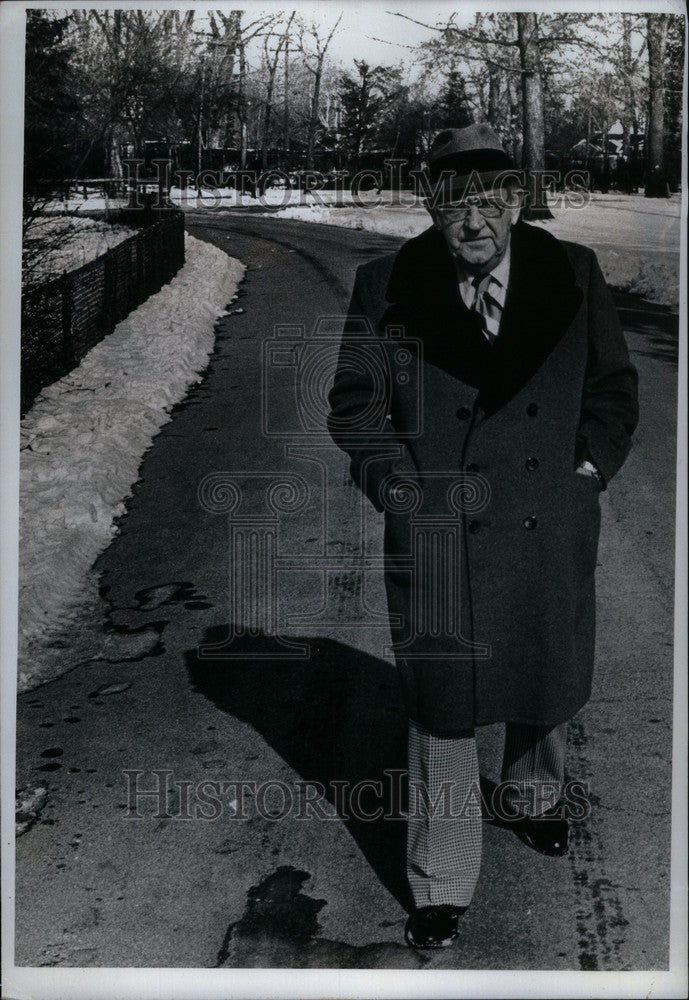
444, 825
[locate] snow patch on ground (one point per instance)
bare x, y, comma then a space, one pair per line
229, 197
28, 805
83, 440
636, 239
224, 197
94, 202
65, 243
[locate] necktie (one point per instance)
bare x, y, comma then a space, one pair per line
486, 307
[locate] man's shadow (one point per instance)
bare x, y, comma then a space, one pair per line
335, 717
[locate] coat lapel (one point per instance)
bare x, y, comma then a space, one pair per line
542, 300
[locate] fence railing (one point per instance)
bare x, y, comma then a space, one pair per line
64, 318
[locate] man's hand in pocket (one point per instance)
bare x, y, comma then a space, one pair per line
589, 469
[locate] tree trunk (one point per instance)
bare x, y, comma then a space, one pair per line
199, 146
114, 163
587, 160
243, 141
272, 67
605, 172
493, 94
241, 107
321, 50
313, 120
627, 112
656, 185
285, 109
515, 147
265, 137
533, 118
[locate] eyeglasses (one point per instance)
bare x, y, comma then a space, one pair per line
489, 209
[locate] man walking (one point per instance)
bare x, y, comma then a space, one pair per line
485, 396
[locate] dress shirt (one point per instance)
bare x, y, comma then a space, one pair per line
495, 288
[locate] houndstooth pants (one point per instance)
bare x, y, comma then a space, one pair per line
444, 824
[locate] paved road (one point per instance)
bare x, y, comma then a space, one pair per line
97, 886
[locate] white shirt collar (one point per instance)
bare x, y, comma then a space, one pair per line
498, 286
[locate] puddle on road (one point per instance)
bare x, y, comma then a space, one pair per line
175, 592
279, 929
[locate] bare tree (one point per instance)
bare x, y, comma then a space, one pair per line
234, 39
131, 63
271, 63
314, 59
505, 47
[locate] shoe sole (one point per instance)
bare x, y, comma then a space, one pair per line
445, 943
430, 947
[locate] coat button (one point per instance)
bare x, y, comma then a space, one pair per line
474, 526
532, 409
530, 523
472, 468
532, 464
463, 413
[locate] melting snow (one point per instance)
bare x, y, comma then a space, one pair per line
83, 440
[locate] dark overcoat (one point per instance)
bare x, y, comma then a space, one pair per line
491, 535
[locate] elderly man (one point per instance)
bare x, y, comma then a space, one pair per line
485, 396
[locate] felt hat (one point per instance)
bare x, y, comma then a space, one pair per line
468, 152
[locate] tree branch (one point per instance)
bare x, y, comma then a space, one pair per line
461, 32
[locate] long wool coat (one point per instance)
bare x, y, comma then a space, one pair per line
491, 542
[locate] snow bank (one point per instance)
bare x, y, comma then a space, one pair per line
83, 440
636, 239
62, 244
652, 275
405, 222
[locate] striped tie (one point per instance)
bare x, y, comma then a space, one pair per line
486, 307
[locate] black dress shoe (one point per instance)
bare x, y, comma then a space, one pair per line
433, 926
547, 834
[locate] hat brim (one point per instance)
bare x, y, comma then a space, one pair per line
478, 182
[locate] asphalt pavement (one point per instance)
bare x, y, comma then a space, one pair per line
248, 875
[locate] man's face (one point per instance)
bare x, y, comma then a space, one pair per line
477, 230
